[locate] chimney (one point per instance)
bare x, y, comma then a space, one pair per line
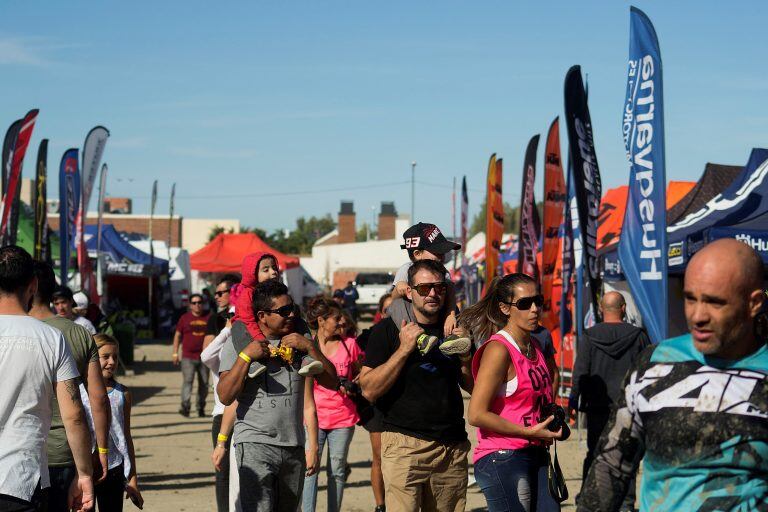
387, 219
347, 230
118, 205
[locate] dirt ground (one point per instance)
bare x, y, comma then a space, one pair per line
173, 452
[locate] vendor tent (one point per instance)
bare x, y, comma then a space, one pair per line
121, 257
225, 253
716, 178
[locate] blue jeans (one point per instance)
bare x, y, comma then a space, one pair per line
338, 448
516, 481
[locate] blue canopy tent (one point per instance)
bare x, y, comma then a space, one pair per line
123, 258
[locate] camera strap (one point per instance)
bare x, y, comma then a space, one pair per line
555, 479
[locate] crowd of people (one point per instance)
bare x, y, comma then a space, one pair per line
290, 386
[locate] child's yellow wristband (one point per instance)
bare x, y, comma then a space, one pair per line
103, 450
244, 357
222, 438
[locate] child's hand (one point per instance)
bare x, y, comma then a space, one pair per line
450, 324
401, 289
218, 455
132, 492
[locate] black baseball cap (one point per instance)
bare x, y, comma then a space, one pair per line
428, 237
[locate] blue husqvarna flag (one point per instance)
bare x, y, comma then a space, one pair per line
69, 203
642, 248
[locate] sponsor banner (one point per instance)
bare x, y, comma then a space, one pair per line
8, 144
41, 248
69, 204
675, 255
644, 233
13, 187
494, 220
554, 203
586, 179
569, 260
464, 219
131, 269
93, 150
756, 239
99, 222
528, 246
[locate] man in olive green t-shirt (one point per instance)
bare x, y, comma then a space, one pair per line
61, 464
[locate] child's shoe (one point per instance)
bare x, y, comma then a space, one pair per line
425, 342
456, 344
310, 367
255, 369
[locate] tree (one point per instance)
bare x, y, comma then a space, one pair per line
217, 230
301, 239
362, 234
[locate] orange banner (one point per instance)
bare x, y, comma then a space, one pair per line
494, 220
554, 202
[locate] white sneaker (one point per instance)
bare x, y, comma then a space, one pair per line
313, 368
255, 369
455, 345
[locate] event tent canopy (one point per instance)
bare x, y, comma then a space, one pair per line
714, 180
123, 258
225, 253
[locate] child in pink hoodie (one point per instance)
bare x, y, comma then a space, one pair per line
256, 268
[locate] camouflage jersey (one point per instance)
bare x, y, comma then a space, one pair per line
702, 425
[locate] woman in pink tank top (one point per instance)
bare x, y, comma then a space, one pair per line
512, 385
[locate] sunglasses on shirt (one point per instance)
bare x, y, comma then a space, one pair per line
221, 292
525, 303
423, 289
284, 311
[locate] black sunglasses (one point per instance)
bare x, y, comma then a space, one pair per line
284, 311
221, 292
423, 289
196, 302
525, 303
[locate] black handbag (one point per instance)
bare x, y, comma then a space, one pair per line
555, 479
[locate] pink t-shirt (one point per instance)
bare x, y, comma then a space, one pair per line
519, 400
333, 409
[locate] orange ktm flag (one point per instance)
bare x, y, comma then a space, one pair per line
554, 203
494, 220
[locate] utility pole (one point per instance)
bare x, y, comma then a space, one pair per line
413, 192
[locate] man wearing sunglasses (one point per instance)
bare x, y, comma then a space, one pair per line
190, 332
269, 427
424, 444
217, 321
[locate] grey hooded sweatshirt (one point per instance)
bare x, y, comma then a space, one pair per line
604, 354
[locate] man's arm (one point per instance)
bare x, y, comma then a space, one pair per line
231, 382
101, 412
554, 372
176, 342
311, 450
619, 451
580, 373
79, 439
375, 382
467, 382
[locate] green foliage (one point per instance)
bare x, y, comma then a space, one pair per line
217, 230
299, 240
362, 233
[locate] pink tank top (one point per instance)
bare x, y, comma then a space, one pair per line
521, 406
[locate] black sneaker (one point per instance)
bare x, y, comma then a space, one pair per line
184, 412
201, 413
380, 508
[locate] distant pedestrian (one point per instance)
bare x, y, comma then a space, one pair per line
350, 299
61, 463
121, 477
190, 332
603, 356
36, 364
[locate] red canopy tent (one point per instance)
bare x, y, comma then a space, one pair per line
225, 253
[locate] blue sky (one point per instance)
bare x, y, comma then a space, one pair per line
266, 111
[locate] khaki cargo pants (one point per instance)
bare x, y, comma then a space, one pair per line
423, 475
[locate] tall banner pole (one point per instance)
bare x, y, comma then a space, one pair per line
69, 204
494, 220
643, 242
453, 220
170, 219
151, 253
14, 178
587, 182
93, 150
99, 224
528, 239
464, 219
40, 200
554, 203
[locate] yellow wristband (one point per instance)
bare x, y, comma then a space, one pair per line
103, 450
244, 357
222, 438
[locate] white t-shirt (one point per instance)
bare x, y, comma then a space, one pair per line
33, 356
84, 322
210, 358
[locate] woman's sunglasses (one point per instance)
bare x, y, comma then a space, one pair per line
525, 303
424, 288
284, 311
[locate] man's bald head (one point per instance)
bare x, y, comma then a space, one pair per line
613, 307
723, 294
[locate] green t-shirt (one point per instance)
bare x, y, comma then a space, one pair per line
84, 351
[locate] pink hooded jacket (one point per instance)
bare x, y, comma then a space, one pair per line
244, 300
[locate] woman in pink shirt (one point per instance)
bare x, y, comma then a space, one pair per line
512, 384
336, 412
